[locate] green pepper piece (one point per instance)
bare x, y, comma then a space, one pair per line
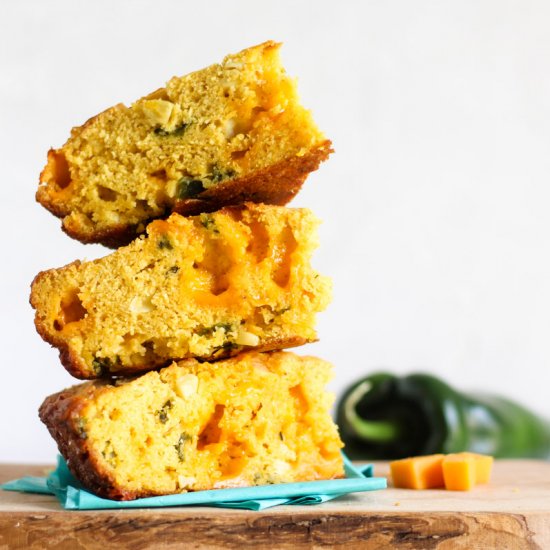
385, 417
207, 221
177, 131
218, 174
180, 445
164, 242
163, 412
188, 188
101, 365
208, 331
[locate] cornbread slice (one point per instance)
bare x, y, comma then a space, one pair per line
207, 286
254, 419
220, 136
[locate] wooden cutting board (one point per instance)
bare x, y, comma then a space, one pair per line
513, 512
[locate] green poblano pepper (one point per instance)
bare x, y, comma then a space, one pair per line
386, 417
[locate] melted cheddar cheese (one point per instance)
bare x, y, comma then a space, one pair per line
206, 286
254, 419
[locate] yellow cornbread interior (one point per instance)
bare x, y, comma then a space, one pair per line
131, 164
250, 420
203, 286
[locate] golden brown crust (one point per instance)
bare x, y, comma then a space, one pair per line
59, 412
69, 359
277, 184
114, 238
117, 236
57, 208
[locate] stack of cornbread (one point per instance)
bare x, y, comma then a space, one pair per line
180, 330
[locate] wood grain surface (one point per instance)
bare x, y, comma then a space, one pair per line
513, 512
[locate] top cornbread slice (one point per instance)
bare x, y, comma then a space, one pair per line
205, 286
229, 133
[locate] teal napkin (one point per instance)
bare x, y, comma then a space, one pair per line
73, 496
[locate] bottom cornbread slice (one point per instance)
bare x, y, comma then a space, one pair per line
254, 419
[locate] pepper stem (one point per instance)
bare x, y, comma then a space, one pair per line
381, 431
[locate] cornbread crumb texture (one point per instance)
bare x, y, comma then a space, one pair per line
205, 286
237, 128
254, 419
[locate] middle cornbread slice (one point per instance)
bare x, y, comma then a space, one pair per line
207, 286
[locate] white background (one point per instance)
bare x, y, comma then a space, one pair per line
435, 204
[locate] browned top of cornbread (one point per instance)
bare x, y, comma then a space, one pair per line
249, 420
229, 133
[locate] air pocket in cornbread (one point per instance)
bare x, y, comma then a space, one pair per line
207, 286
254, 419
227, 134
